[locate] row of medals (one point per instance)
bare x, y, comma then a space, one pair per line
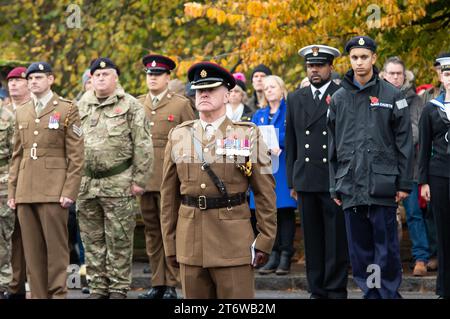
231, 147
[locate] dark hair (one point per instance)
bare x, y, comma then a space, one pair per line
394, 60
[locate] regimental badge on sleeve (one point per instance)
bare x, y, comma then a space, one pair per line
77, 130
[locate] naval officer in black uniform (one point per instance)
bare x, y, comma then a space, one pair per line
434, 171
307, 170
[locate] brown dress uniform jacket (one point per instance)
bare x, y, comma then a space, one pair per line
46, 163
172, 110
215, 237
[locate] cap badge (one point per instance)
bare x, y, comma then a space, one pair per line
315, 51
153, 63
203, 74
102, 64
23, 74
41, 67
361, 41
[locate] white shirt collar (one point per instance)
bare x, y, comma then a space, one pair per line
322, 89
45, 99
215, 124
235, 115
159, 96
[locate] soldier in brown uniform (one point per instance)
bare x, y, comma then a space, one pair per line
164, 110
205, 219
44, 180
20, 94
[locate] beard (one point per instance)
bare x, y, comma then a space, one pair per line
322, 82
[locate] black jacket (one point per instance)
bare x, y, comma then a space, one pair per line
370, 143
434, 131
307, 140
247, 114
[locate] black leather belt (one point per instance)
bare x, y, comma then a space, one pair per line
204, 202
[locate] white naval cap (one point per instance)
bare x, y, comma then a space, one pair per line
319, 54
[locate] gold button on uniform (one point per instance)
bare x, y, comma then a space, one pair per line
35, 132
203, 186
37, 120
34, 144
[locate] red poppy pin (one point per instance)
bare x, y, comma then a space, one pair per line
170, 118
117, 110
373, 99
328, 99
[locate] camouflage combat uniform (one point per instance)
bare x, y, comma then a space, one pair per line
7, 216
118, 153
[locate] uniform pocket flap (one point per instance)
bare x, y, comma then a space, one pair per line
384, 169
235, 213
117, 110
55, 162
342, 171
186, 211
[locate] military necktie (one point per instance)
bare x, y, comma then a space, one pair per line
155, 101
316, 97
39, 106
209, 130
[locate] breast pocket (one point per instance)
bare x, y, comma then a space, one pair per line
187, 168
23, 129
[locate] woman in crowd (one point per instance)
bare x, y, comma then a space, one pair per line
275, 114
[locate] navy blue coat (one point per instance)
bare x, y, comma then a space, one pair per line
261, 117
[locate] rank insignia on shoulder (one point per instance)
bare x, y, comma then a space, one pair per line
77, 130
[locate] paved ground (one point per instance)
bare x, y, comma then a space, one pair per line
272, 294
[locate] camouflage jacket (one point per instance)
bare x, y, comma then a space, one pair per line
6, 146
115, 131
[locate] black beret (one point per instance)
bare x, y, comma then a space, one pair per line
38, 67
261, 68
205, 75
318, 54
361, 42
242, 85
157, 64
103, 63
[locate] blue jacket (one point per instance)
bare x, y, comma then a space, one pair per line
261, 117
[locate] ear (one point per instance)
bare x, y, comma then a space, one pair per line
226, 98
51, 78
374, 58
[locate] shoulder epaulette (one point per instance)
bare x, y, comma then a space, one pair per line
186, 123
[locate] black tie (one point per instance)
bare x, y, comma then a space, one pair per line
316, 97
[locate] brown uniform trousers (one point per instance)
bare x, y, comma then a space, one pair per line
45, 166
213, 246
173, 109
